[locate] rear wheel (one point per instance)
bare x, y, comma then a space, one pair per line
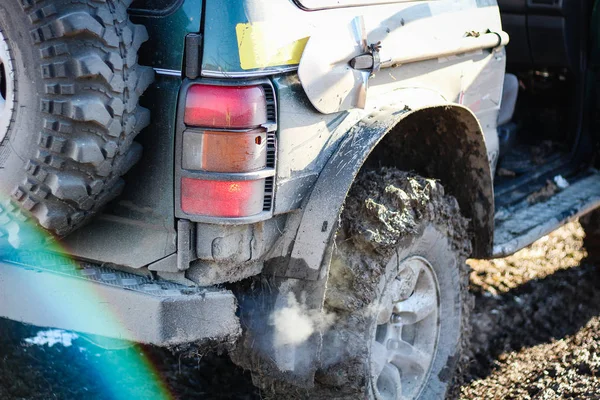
399, 288
69, 90
407, 331
396, 304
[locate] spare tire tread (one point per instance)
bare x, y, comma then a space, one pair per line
91, 114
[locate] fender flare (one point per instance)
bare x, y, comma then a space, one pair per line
462, 164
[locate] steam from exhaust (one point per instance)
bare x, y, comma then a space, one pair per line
295, 322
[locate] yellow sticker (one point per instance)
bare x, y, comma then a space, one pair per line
261, 45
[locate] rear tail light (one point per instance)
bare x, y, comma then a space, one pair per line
226, 152
222, 198
228, 107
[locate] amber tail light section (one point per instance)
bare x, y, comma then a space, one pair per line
225, 151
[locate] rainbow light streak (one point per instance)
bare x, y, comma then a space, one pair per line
125, 374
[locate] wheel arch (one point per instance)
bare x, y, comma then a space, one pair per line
454, 143
449, 134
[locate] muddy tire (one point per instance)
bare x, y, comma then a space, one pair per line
69, 112
398, 281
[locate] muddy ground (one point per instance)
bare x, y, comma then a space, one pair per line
536, 335
537, 322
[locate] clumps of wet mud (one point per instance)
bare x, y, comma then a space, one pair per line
536, 331
379, 219
383, 207
384, 210
387, 208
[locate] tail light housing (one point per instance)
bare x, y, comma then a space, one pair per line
225, 152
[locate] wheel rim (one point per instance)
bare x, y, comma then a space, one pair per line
6, 87
405, 342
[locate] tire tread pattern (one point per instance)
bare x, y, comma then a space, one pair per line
88, 51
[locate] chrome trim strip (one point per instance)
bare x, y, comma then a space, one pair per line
248, 74
262, 216
168, 72
229, 176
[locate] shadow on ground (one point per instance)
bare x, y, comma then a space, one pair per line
537, 312
536, 331
80, 371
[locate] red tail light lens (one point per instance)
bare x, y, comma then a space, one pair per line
223, 151
222, 198
226, 107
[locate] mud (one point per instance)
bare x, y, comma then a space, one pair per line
456, 155
536, 332
385, 209
536, 325
543, 194
388, 216
377, 221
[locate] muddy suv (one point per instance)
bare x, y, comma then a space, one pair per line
298, 180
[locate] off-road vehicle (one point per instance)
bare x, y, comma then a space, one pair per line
300, 180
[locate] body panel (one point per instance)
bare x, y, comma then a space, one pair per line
307, 138
139, 227
275, 43
167, 33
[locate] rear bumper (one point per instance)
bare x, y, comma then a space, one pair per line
54, 291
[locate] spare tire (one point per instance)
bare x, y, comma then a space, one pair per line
69, 90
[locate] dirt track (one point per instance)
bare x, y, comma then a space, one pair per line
536, 335
536, 322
